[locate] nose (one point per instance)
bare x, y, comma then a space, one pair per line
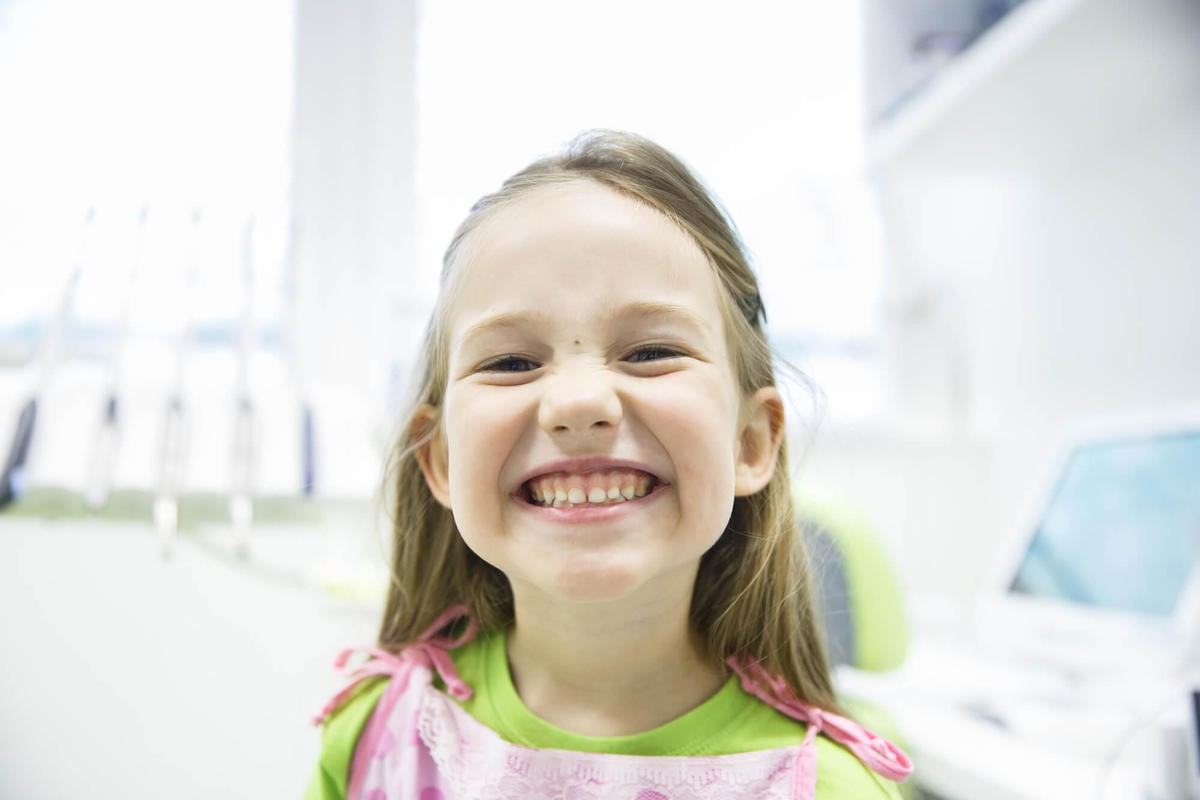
579, 401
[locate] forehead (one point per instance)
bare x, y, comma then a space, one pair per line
581, 253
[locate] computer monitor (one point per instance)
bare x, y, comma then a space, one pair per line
1104, 569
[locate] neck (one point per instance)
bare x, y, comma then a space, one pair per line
608, 669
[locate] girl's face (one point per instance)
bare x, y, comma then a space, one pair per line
575, 379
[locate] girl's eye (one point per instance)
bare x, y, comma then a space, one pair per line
494, 365
653, 348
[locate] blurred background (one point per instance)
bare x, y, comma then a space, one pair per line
975, 226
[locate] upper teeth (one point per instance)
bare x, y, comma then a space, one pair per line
608, 486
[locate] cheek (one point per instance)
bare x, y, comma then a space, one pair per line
696, 429
692, 403
477, 437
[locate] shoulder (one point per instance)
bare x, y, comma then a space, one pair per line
342, 731
345, 726
841, 775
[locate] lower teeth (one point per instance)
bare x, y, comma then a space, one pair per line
584, 505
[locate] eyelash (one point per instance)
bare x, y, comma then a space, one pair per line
490, 366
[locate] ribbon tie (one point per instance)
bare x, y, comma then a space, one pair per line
876, 752
430, 650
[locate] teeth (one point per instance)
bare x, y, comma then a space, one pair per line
554, 493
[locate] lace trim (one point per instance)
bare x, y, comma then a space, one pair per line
476, 762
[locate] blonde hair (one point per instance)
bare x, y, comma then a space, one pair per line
753, 594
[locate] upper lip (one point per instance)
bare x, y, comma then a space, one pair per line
582, 465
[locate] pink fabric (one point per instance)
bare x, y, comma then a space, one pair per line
420, 745
430, 649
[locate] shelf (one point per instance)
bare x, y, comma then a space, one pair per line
965, 74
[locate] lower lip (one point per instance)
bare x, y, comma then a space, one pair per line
590, 513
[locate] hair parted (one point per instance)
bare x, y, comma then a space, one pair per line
754, 589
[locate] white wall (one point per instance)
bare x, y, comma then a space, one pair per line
1054, 210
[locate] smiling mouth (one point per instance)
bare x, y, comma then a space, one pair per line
526, 494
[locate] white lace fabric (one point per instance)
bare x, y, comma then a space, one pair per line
431, 749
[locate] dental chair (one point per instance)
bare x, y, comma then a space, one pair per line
861, 603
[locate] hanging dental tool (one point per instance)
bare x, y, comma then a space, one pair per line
172, 447
308, 448
13, 478
241, 506
104, 448
308, 445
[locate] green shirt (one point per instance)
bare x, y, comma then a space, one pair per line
731, 721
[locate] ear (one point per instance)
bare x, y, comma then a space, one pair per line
432, 456
759, 441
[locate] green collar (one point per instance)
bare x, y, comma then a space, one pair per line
502, 709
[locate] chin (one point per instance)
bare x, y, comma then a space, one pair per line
584, 583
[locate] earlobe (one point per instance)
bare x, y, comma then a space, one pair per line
759, 441
432, 456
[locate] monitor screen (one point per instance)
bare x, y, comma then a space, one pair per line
1121, 530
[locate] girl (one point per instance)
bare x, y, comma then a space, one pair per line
598, 588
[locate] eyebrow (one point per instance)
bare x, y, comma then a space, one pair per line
637, 310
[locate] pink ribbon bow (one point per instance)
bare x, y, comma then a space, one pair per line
429, 651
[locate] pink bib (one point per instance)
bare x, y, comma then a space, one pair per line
419, 744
